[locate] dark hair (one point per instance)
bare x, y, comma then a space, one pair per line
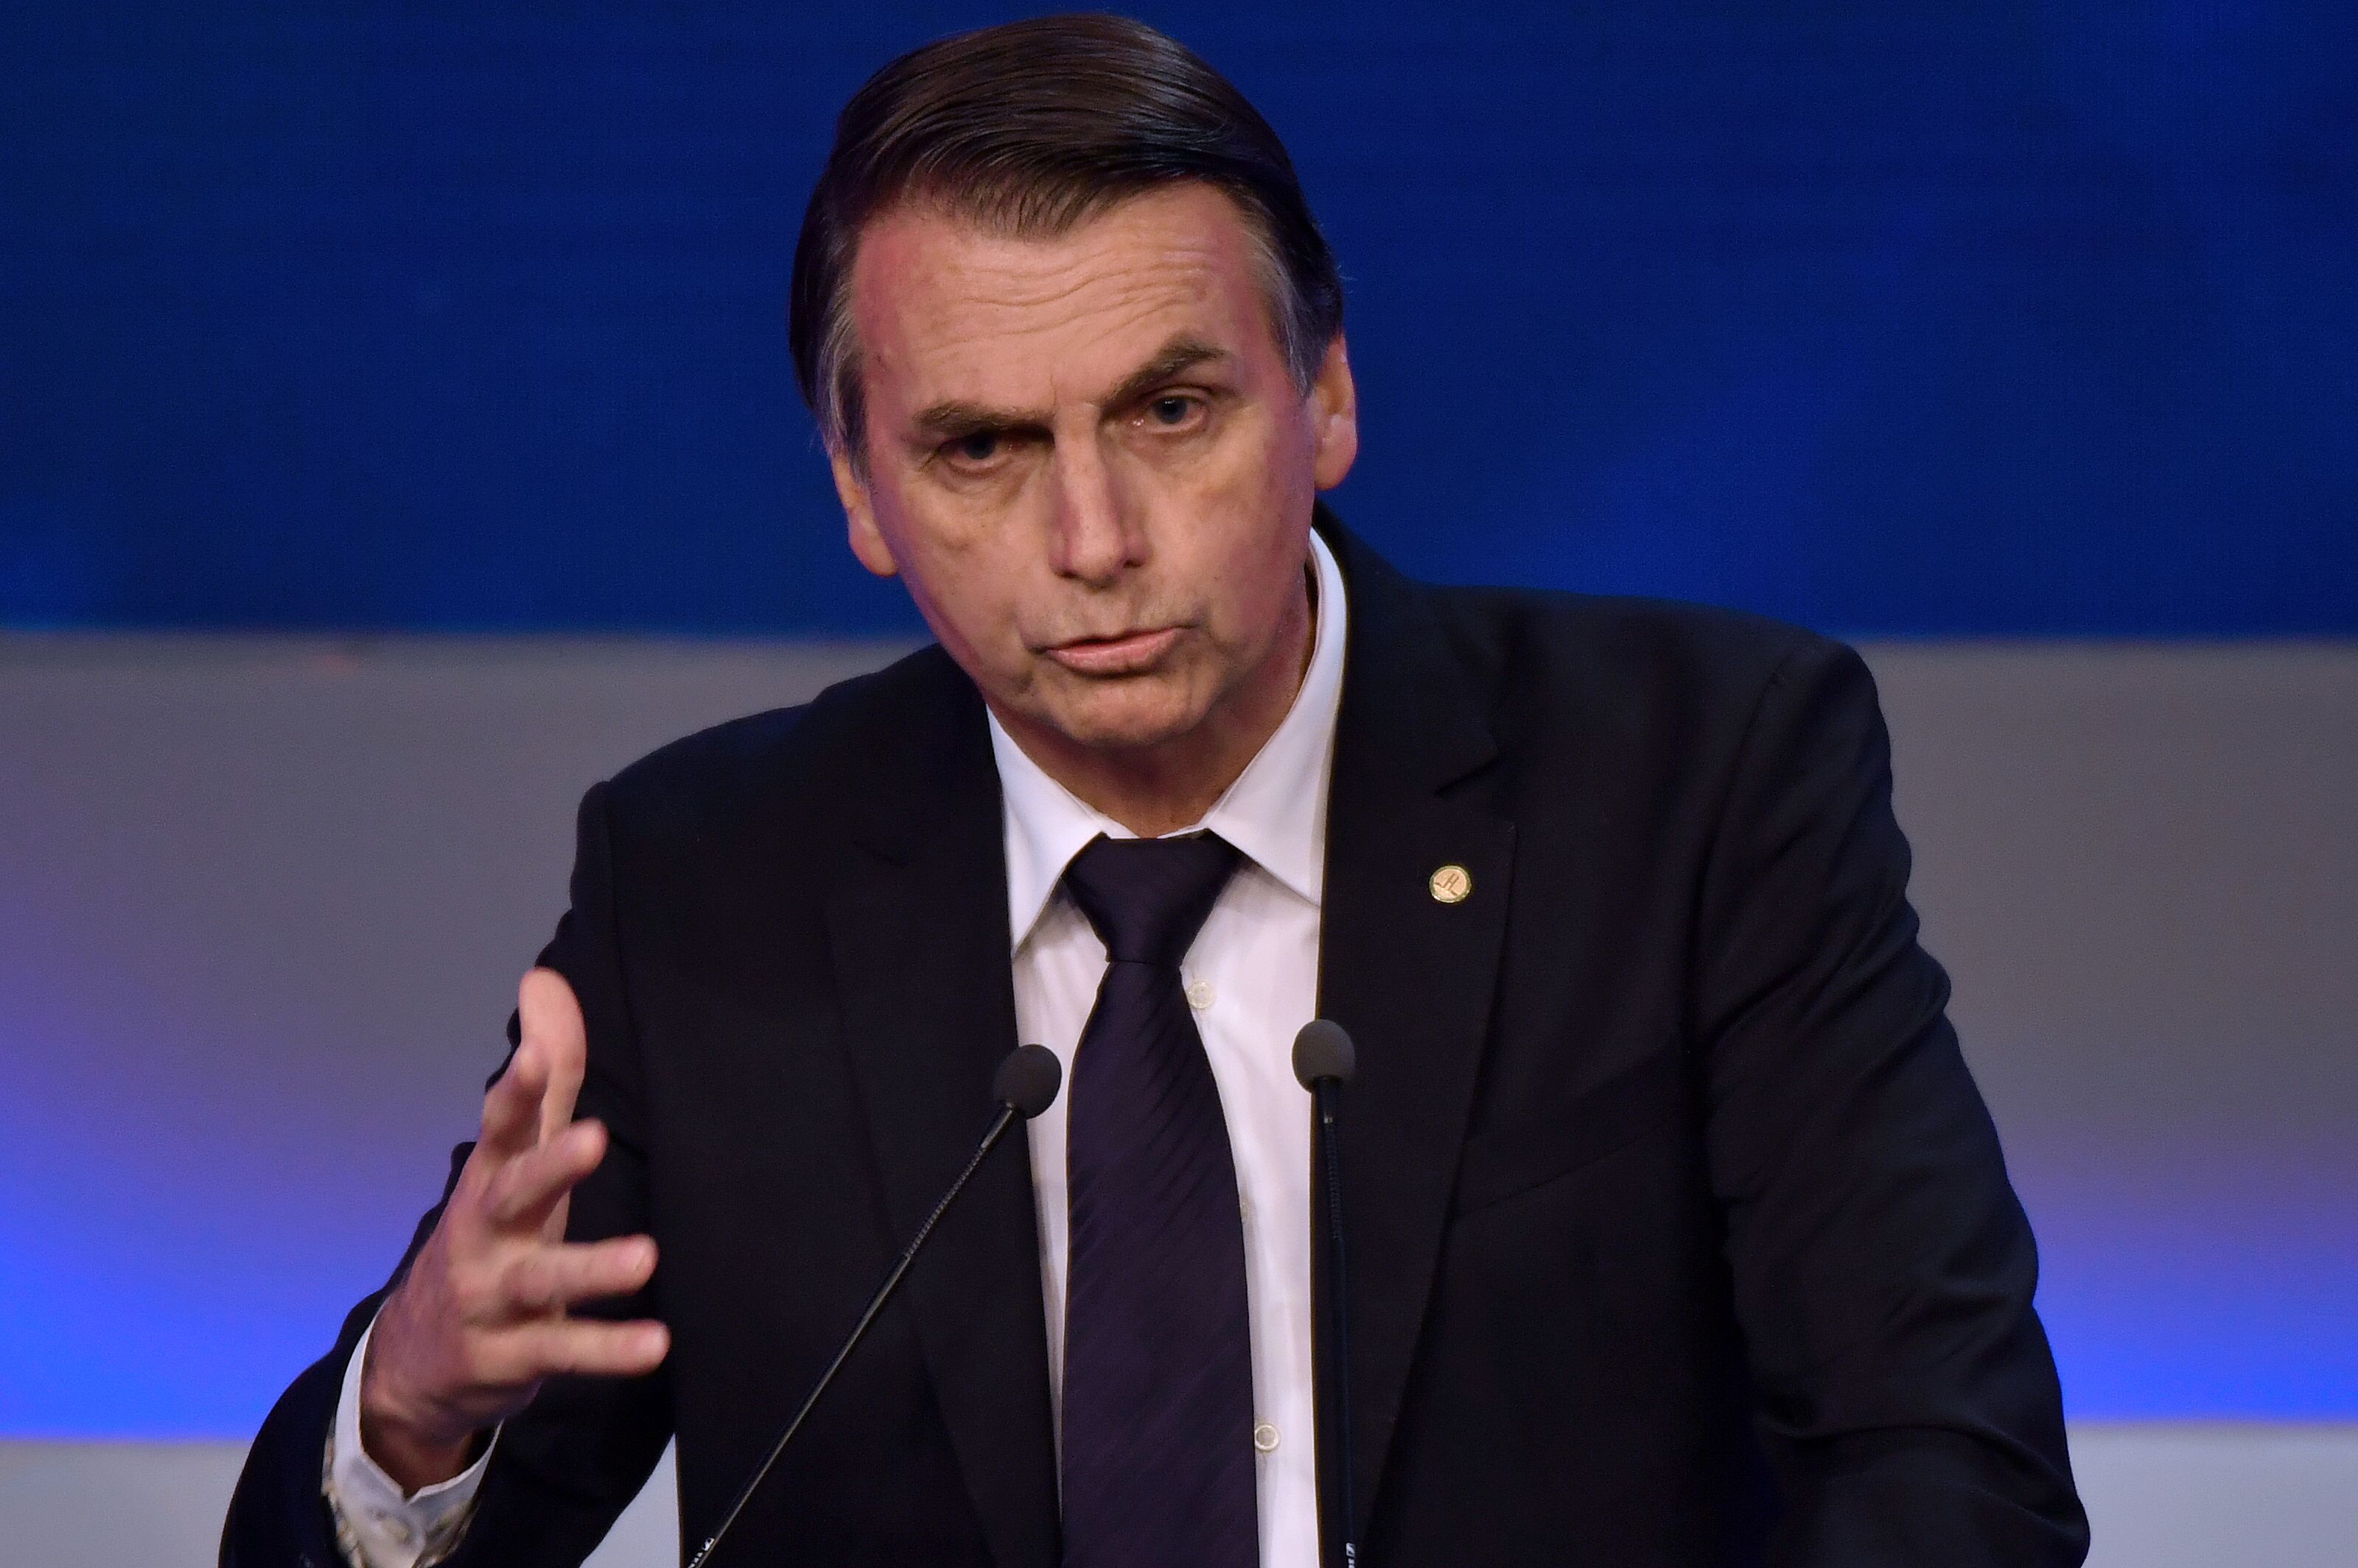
1028, 128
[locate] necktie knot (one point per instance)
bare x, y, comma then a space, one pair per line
1147, 897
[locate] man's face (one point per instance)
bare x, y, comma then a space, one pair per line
1087, 460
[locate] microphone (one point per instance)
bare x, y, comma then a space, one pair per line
1024, 1086
1324, 1060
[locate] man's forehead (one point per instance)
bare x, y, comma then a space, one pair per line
946, 308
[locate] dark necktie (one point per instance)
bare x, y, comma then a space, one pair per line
1158, 1455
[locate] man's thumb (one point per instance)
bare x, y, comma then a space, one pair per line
551, 1023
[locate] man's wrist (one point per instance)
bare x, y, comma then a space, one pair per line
382, 1522
417, 1462
416, 1453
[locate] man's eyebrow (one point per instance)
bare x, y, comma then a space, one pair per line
948, 420
1180, 354
954, 418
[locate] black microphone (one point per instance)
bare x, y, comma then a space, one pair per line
1025, 1086
1323, 1061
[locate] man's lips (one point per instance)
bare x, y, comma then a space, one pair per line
1126, 655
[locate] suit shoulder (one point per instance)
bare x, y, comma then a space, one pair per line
1646, 651
1648, 709
781, 762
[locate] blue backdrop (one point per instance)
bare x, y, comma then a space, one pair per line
1961, 317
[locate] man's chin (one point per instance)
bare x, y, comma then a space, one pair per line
1125, 716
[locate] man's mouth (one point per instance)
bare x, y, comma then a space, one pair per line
1127, 654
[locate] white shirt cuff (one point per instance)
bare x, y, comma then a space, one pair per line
377, 1525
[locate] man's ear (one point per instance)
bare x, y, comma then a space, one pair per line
1335, 415
859, 516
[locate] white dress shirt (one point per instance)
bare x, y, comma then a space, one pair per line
1251, 978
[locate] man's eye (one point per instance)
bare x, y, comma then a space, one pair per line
1174, 410
979, 447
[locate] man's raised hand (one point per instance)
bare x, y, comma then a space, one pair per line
480, 1319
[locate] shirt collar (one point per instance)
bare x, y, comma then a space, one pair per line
1275, 812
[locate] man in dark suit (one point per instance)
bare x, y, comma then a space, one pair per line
1678, 1233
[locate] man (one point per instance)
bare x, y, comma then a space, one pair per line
1678, 1234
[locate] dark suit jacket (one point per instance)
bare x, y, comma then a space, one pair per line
1678, 1232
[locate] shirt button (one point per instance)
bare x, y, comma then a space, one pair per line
1265, 1437
1200, 994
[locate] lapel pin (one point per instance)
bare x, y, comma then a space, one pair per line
1450, 884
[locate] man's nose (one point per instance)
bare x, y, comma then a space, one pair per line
1096, 534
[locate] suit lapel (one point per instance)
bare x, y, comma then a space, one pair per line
1407, 972
918, 923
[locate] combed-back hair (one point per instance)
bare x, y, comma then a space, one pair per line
1027, 129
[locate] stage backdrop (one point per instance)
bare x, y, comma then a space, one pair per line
1961, 317
1958, 321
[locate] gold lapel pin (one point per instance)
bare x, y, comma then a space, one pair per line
1450, 884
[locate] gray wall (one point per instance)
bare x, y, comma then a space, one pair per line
262, 904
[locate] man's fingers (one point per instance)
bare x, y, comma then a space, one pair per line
533, 1100
577, 1347
522, 1193
511, 1107
548, 1279
551, 1020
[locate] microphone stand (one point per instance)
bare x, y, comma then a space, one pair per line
1025, 1086
1323, 1061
